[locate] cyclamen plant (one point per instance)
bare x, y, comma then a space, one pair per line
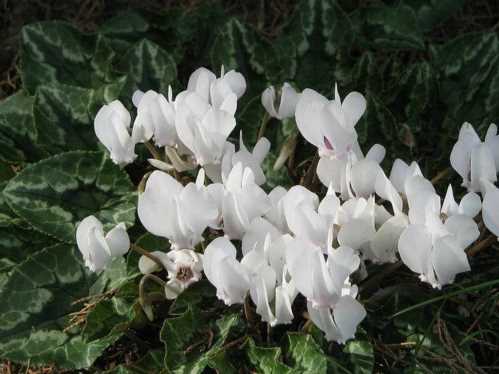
289, 241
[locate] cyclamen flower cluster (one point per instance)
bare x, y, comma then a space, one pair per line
288, 241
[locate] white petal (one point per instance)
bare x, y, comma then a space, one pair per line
147, 266
289, 99
256, 233
310, 118
464, 228
236, 82
268, 99
376, 153
415, 245
384, 243
461, 152
470, 204
83, 231
323, 319
354, 106
332, 172
386, 190
136, 97
448, 260
200, 82
482, 166
490, 211
348, 314
363, 177
155, 202
342, 262
118, 240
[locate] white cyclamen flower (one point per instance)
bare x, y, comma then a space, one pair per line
155, 118
112, 127
286, 102
490, 211
325, 284
202, 128
98, 249
219, 172
181, 214
230, 278
475, 160
330, 125
271, 287
185, 268
230, 83
433, 244
243, 201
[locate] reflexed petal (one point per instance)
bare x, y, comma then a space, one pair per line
323, 319
289, 99
354, 106
461, 152
268, 100
332, 172
449, 206
363, 177
147, 266
155, 202
490, 211
236, 82
356, 233
470, 204
309, 117
256, 233
118, 240
386, 190
448, 260
342, 262
384, 243
83, 231
464, 228
415, 245
376, 153
200, 82
348, 313
482, 166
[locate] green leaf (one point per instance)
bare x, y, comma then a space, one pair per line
18, 134
64, 115
305, 353
432, 12
266, 360
149, 67
393, 27
469, 66
36, 301
56, 52
185, 342
56, 193
361, 355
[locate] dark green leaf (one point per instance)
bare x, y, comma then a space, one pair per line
56, 193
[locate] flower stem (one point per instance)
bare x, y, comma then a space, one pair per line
152, 149
142, 251
485, 243
440, 175
263, 126
142, 296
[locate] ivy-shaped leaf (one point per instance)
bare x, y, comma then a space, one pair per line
64, 115
149, 67
36, 301
53, 195
18, 134
306, 354
266, 360
182, 333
